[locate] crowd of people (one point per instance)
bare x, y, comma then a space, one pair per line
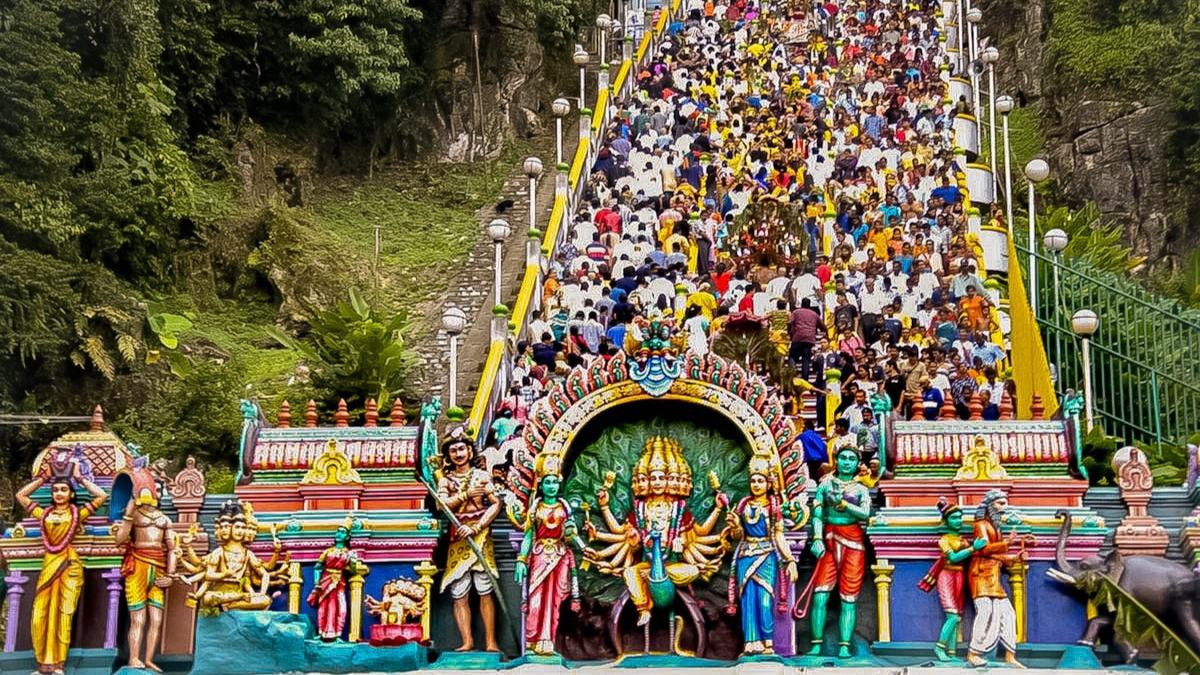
788, 166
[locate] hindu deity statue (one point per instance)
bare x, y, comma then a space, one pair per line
995, 619
467, 492
60, 581
403, 599
841, 508
946, 575
545, 560
676, 549
330, 576
230, 576
148, 566
655, 363
757, 523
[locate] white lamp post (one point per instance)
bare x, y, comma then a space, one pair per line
1004, 106
498, 230
1056, 241
581, 58
533, 170
1085, 323
560, 107
603, 22
454, 322
1036, 171
974, 16
990, 56
959, 17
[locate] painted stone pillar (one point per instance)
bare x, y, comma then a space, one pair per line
356, 601
295, 583
114, 588
16, 588
426, 570
883, 586
1017, 574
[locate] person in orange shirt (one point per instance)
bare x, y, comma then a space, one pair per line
972, 306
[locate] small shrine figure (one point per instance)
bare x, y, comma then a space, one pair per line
230, 576
676, 549
330, 574
148, 566
757, 524
60, 582
946, 575
469, 493
995, 618
842, 506
545, 559
403, 599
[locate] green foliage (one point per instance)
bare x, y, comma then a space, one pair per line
335, 55
1098, 450
618, 448
1089, 240
193, 416
354, 351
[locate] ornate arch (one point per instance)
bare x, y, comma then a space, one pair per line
708, 381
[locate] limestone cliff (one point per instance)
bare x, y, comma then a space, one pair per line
1105, 144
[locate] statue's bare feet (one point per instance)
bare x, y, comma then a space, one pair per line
643, 618
492, 647
466, 647
816, 649
844, 652
975, 660
150, 665
940, 652
136, 663
1011, 660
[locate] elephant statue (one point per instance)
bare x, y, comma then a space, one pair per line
1169, 590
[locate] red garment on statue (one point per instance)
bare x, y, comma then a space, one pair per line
329, 596
550, 563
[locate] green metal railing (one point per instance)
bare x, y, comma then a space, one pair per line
1145, 359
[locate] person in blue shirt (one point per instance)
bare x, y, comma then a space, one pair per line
931, 399
890, 210
815, 451
947, 192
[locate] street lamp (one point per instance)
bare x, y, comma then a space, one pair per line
454, 322
603, 22
974, 16
989, 57
1085, 323
533, 170
1004, 105
560, 107
580, 58
1036, 171
1055, 241
498, 230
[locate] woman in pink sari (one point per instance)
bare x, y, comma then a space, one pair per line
546, 561
328, 595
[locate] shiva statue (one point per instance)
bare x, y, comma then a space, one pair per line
946, 575
676, 549
758, 524
841, 508
60, 582
330, 576
545, 560
468, 493
230, 576
148, 566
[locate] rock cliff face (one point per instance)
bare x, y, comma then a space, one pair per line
1101, 147
469, 116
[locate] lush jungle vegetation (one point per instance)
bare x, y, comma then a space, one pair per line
151, 230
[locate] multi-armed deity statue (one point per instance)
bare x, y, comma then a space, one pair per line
231, 576
676, 549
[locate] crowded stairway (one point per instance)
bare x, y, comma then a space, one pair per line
789, 170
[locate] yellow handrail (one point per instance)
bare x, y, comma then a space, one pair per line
497, 350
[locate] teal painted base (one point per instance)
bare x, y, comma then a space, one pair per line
468, 661
665, 661
79, 662
258, 643
760, 658
1078, 657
